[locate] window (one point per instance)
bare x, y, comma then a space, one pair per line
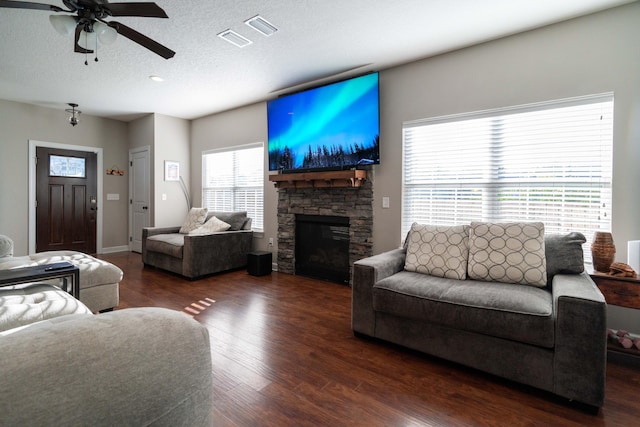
70, 167
233, 180
549, 162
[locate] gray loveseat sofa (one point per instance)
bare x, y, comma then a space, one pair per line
194, 256
138, 366
551, 337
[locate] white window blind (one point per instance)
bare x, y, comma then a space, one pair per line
548, 162
233, 180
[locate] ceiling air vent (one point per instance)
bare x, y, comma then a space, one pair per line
234, 38
261, 25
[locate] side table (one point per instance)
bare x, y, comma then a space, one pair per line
59, 270
623, 292
259, 263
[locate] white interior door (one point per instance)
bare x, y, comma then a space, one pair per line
139, 196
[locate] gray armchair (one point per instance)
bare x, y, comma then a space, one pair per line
194, 256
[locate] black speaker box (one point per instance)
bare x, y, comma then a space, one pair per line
259, 263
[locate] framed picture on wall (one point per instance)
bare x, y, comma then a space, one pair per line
171, 170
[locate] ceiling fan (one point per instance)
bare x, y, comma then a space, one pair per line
89, 17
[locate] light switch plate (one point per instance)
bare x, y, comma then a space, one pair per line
113, 196
385, 202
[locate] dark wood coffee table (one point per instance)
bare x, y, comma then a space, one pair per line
65, 271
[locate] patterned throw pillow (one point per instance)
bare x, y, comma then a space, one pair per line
194, 219
508, 253
213, 225
438, 250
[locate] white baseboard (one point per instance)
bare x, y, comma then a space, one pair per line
115, 249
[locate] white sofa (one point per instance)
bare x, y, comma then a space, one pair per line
24, 304
63, 365
99, 279
132, 367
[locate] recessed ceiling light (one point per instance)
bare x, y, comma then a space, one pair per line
261, 25
234, 38
156, 78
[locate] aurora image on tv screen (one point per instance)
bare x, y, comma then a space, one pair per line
336, 126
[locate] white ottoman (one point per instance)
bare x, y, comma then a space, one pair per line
22, 305
99, 279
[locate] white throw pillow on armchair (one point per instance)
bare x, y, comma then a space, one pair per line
194, 219
213, 225
6, 246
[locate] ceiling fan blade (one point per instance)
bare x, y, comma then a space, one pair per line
29, 5
71, 4
147, 9
141, 39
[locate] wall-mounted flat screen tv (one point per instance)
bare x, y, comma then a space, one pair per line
331, 127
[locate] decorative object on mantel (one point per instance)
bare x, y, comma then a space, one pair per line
620, 269
115, 170
348, 178
603, 251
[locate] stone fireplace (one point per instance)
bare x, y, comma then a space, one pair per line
354, 204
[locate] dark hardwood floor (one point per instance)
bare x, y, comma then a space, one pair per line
284, 355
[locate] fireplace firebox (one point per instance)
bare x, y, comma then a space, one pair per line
322, 247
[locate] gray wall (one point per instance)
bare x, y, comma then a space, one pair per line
20, 123
168, 138
236, 127
588, 55
171, 143
142, 134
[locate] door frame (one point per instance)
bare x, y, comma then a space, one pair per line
33, 144
147, 149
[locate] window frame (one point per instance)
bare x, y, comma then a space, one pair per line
257, 224
494, 183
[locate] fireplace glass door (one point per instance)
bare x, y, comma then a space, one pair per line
322, 247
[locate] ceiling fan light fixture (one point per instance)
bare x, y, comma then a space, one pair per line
106, 34
234, 38
63, 24
261, 25
88, 40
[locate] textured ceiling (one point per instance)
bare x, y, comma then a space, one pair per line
317, 40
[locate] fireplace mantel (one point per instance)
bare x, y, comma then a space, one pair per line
348, 178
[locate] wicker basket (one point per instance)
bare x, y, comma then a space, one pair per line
603, 251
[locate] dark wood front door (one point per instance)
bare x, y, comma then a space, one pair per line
66, 200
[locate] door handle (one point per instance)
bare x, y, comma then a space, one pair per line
145, 208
